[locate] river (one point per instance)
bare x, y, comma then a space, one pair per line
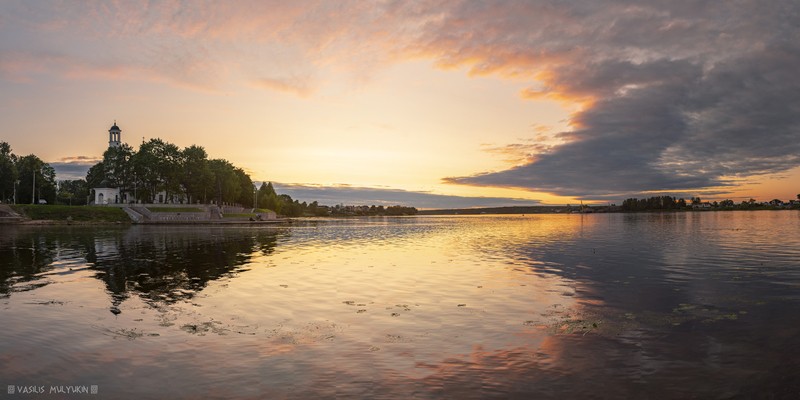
673, 305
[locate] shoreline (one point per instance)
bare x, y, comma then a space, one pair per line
285, 221
55, 222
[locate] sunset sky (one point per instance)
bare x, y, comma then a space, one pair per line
433, 104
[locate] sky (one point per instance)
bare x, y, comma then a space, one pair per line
434, 103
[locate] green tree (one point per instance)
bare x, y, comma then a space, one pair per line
118, 169
8, 172
157, 167
246, 189
289, 207
226, 186
95, 175
72, 192
261, 197
267, 198
146, 172
37, 180
168, 167
197, 178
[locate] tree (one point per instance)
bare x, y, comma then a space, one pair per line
73, 192
118, 169
157, 167
8, 172
168, 167
245, 190
37, 180
267, 198
95, 175
288, 207
145, 172
226, 183
261, 196
197, 177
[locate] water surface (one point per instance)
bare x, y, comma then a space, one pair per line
686, 305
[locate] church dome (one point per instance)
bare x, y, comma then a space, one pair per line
115, 127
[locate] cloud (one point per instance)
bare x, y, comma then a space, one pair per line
675, 97
296, 85
73, 167
208, 47
70, 171
353, 195
81, 159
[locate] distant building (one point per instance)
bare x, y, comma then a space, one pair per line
702, 206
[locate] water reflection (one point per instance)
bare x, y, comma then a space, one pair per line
549, 306
158, 264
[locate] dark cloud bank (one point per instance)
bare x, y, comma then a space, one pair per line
679, 96
72, 170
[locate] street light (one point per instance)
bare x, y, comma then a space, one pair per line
255, 197
33, 189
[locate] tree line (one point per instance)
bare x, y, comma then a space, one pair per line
158, 166
672, 203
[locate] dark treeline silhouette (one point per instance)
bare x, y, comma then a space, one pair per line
671, 203
653, 203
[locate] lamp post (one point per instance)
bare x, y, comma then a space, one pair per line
33, 189
16, 182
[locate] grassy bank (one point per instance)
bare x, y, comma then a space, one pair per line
72, 213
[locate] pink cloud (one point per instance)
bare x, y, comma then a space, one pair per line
295, 85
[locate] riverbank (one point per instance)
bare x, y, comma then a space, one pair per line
28, 214
57, 215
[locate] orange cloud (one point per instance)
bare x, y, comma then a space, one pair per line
295, 85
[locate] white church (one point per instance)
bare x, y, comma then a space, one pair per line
108, 194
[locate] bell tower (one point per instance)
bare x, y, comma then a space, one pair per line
114, 136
